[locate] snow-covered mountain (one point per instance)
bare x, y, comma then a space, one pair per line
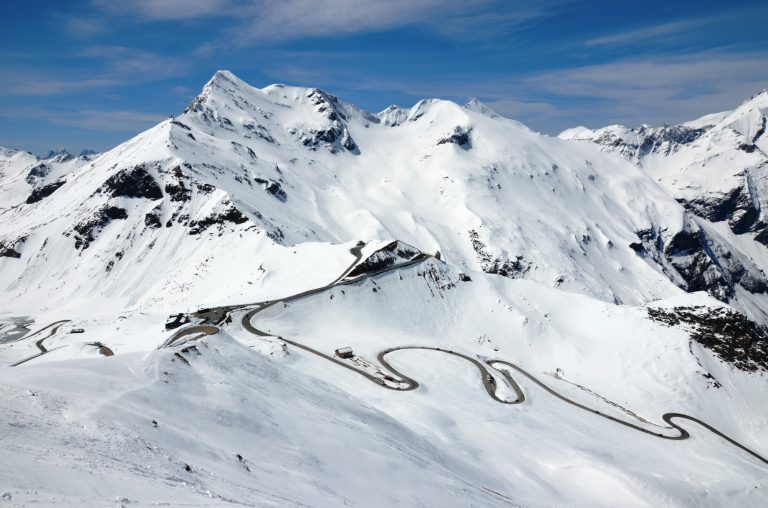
439, 225
717, 168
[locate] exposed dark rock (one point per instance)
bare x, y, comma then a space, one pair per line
665, 140
273, 187
335, 136
87, 231
231, 214
205, 188
44, 191
152, 219
762, 236
8, 249
760, 131
384, 257
133, 183
696, 262
39, 171
747, 147
179, 124
730, 335
460, 136
259, 131
178, 191
513, 269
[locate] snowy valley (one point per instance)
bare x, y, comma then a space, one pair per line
532, 320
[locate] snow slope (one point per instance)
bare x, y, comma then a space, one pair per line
547, 252
717, 167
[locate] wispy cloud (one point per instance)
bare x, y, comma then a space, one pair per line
116, 121
97, 67
665, 30
256, 22
164, 10
681, 30
125, 121
660, 90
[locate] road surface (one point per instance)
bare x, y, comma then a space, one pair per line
502, 367
43, 350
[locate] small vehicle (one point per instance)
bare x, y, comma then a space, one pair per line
77, 330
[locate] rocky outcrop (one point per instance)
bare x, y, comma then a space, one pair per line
135, 182
273, 187
335, 136
86, 231
697, 261
43, 192
739, 207
728, 334
512, 268
8, 249
394, 252
230, 214
460, 136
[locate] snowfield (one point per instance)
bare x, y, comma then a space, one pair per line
621, 269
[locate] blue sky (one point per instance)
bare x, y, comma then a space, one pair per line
91, 73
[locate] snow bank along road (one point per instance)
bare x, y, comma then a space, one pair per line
396, 380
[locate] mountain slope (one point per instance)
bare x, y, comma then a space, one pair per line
717, 167
249, 169
281, 224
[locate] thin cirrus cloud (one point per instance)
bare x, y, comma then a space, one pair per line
663, 31
94, 68
267, 21
660, 90
170, 10
91, 119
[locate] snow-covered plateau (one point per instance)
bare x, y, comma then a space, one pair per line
278, 299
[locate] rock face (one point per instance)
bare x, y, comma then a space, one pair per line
87, 230
696, 261
717, 168
731, 336
43, 192
133, 183
459, 136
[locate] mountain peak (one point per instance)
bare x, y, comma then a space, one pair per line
474, 104
62, 154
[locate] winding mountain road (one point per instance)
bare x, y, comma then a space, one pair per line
406, 383
43, 350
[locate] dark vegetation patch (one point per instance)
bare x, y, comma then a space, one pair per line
87, 231
730, 335
43, 192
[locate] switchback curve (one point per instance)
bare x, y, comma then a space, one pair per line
406, 383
